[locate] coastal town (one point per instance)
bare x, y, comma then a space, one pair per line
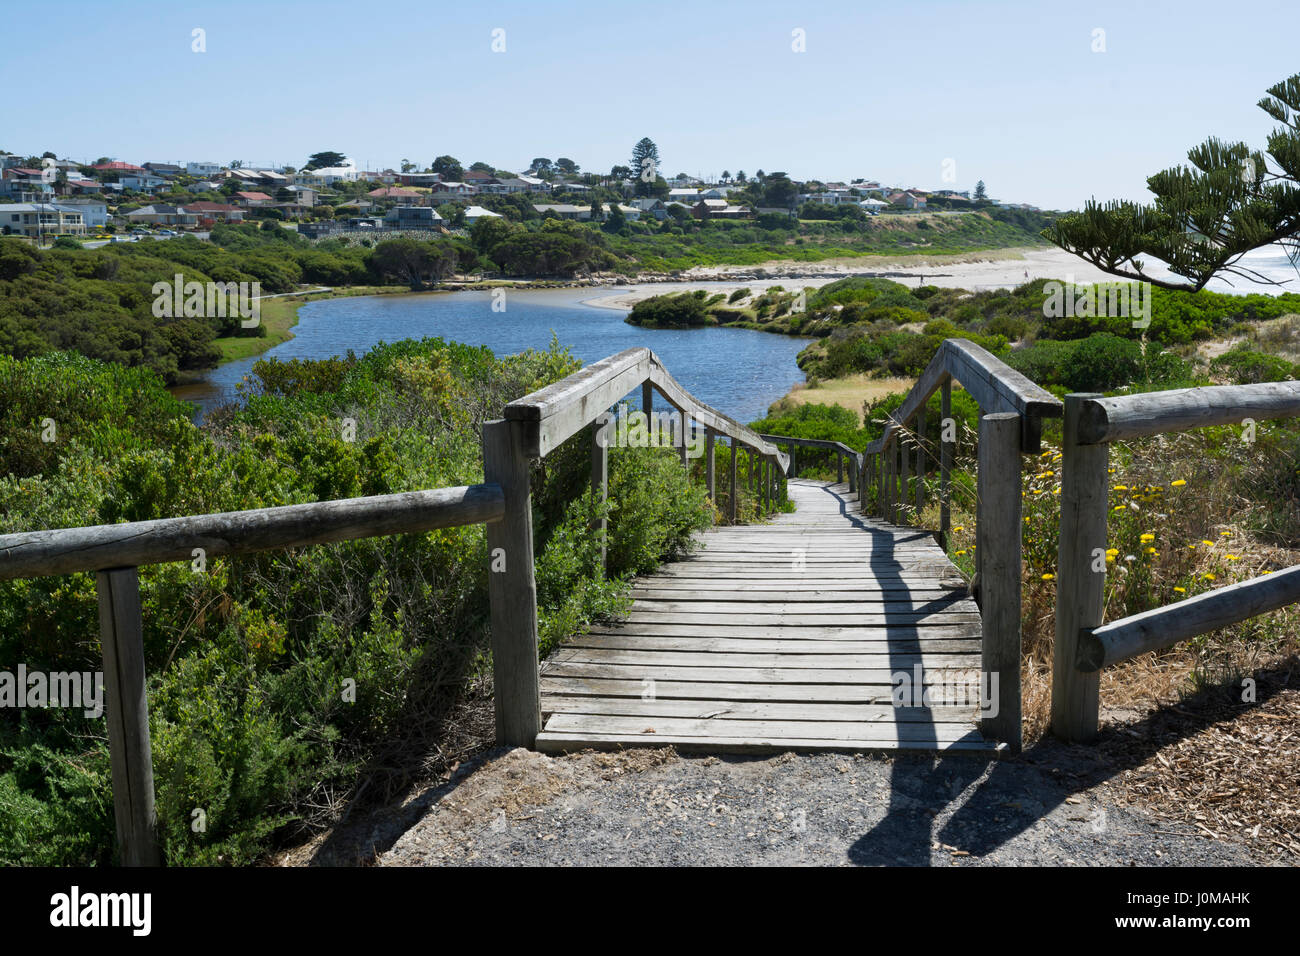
44, 197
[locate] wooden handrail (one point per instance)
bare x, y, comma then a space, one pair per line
1084, 645
553, 414
995, 386
1160, 627
1124, 417
31, 554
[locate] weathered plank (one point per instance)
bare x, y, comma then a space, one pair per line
1150, 413
140, 543
1163, 626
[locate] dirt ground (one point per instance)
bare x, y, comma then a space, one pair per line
1203, 783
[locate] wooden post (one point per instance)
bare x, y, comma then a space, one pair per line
600, 476
731, 504
751, 460
1000, 544
903, 488
887, 484
708, 463
920, 463
648, 406
765, 483
1080, 575
686, 423
945, 463
512, 589
839, 468
853, 476
121, 635
790, 448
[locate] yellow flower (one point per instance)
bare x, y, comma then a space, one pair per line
1208, 576
1208, 544
1049, 577
1181, 590
1179, 483
959, 528
1120, 488
1112, 551
1152, 551
1233, 557
1225, 534
1147, 538
1118, 508
960, 553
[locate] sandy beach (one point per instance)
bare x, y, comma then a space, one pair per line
977, 271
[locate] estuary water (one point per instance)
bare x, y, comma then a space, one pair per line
737, 371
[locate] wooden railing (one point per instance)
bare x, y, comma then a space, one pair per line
841, 452
532, 427
536, 425
1011, 412
1083, 644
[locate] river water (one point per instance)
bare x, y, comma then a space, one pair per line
737, 371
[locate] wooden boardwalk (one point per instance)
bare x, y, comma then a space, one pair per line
780, 636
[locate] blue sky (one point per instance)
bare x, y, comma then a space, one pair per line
1012, 93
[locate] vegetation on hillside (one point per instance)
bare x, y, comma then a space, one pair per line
250, 660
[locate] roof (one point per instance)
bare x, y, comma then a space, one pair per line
253, 196
119, 167
203, 205
478, 212
393, 192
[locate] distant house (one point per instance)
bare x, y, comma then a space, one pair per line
204, 186
872, 206
654, 207
94, 212
445, 192
166, 170
252, 199
906, 200
82, 187
328, 175
718, 209
478, 177
203, 169
215, 211
564, 211
321, 229
305, 195
413, 217
419, 179
163, 215
40, 219
396, 194
506, 186
141, 182
688, 196
122, 169
474, 213
534, 184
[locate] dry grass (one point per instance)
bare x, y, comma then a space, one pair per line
851, 393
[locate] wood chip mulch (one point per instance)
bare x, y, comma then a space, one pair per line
1228, 768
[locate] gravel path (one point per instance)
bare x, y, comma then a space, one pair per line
653, 807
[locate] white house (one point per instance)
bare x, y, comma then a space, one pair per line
873, 206
203, 169
40, 219
94, 212
143, 182
474, 213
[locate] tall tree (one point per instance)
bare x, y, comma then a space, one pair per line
726, 175
449, 167
325, 159
645, 164
1232, 199
566, 166
481, 167
980, 192
542, 166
